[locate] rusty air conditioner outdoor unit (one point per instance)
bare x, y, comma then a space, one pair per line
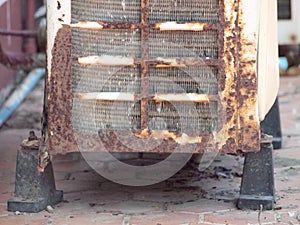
181, 74
163, 76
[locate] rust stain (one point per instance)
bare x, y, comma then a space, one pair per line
59, 95
182, 140
178, 62
247, 103
92, 25
227, 136
58, 5
145, 133
169, 62
145, 30
183, 62
165, 141
238, 84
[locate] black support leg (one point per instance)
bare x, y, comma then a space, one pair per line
271, 125
257, 188
34, 191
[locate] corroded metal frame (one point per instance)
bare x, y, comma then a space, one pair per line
237, 80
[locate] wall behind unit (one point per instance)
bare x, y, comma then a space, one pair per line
10, 19
289, 30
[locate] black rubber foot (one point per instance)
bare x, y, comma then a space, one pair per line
34, 191
257, 189
271, 125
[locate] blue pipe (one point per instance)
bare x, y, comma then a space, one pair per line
13, 102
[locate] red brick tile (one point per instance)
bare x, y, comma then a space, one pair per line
6, 192
27, 219
288, 217
202, 206
237, 217
3, 210
166, 218
87, 218
133, 207
71, 186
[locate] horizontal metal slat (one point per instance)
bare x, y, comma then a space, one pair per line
106, 60
187, 97
160, 62
163, 26
107, 96
125, 96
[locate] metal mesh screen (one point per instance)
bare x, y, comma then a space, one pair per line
184, 10
182, 116
119, 41
90, 114
201, 44
93, 78
103, 10
125, 10
194, 79
106, 42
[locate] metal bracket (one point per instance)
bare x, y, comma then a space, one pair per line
271, 125
34, 191
257, 188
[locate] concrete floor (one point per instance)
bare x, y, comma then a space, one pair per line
188, 198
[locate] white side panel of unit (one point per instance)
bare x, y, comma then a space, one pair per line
268, 71
289, 30
250, 17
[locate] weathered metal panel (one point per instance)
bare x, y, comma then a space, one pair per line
248, 82
267, 57
227, 137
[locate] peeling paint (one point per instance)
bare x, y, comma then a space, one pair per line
182, 140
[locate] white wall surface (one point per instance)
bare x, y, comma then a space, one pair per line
289, 28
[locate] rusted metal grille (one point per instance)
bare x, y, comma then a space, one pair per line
90, 115
192, 79
93, 78
183, 116
133, 33
102, 10
184, 10
202, 44
106, 42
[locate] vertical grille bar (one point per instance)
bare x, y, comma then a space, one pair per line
144, 66
221, 70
